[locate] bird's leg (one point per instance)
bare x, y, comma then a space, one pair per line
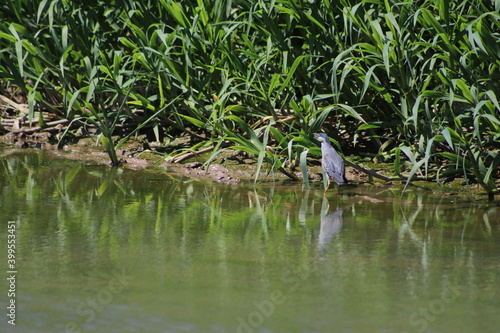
326, 180
327, 184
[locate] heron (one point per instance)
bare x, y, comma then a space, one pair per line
331, 162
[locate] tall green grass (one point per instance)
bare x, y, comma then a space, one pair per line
420, 78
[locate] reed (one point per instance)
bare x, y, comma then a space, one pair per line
423, 75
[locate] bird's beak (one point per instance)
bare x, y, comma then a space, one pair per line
316, 135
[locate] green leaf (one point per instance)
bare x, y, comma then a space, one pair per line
452, 137
291, 72
194, 121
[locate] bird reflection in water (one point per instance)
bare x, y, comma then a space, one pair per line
331, 224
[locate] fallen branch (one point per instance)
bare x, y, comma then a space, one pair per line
379, 176
192, 154
196, 153
288, 174
14, 105
370, 172
39, 128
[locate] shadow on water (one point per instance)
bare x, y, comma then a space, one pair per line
110, 250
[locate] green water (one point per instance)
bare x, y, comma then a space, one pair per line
111, 250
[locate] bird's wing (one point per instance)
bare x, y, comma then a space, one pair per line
334, 167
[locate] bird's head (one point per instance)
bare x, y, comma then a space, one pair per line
322, 137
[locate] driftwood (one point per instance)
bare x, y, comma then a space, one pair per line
49, 126
21, 108
379, 176
192, 154
369, 172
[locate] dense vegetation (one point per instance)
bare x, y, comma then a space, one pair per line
420, 79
